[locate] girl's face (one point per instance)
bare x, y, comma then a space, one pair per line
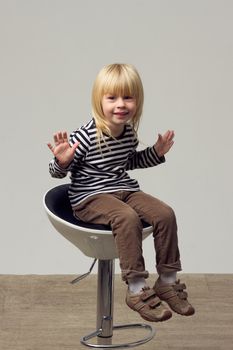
118, 110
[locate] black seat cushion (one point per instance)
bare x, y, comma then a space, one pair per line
57, 201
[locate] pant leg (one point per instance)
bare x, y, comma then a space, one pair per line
162, 218
109, 209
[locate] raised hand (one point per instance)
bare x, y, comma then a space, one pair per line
62, 150
164, 143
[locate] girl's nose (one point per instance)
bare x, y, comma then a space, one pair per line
120, 102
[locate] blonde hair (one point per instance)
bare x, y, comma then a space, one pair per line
121, 80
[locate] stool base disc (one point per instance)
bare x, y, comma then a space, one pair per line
97, 333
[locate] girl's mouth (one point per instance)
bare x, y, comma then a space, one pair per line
121, 113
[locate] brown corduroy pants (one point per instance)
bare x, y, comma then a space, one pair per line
123, 211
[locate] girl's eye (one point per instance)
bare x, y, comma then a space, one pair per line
110, 97
128, 97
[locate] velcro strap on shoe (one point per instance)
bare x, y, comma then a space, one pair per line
183, 295
139, 305
155, 302
147, 294
167, 293
179, 287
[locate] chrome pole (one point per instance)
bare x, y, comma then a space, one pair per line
105, 297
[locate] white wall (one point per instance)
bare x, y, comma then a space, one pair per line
51, 51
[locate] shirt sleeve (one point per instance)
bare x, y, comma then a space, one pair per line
80, 135
56, 171
144, 159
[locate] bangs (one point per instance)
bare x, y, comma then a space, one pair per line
119, 83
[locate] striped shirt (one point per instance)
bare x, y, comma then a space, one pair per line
97, 169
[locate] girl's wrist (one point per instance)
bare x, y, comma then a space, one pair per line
62, 165
157, 151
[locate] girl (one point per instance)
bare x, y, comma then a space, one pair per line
98, 156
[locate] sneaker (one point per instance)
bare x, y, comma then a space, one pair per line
174, 296
148, 305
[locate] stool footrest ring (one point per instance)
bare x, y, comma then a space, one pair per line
97, 333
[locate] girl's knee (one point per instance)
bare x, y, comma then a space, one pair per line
168, 215
129, 217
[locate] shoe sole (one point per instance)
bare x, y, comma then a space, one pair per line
166, 316
190, 312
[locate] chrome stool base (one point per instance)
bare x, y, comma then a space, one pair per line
108, 341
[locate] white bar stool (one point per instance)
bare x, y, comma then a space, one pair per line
95, 241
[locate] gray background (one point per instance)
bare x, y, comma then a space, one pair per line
51, 52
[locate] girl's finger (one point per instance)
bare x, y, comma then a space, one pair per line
60, 137
160, 137
65, 137
75, 145
166, 135
171, 135
50, 146
55, 137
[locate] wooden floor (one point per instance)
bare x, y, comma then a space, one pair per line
48, 313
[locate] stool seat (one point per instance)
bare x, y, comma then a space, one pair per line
93, 240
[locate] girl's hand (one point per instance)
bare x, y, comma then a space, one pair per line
62, 150
164, 143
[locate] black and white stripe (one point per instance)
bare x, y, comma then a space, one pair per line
103, 168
